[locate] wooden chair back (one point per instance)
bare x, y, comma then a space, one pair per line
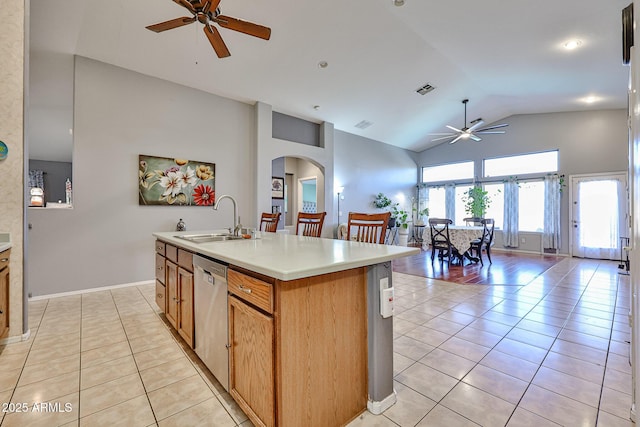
370, 228
269, 222
487, 233
311, 224
440, 237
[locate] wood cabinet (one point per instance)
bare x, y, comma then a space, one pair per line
174, 287
298, 349
4, 293
251, 368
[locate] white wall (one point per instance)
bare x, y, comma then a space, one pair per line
365, 168
106, 238
588, 142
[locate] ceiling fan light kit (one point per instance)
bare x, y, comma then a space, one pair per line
471, 132
207, 13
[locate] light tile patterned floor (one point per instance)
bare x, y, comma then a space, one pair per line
554, 352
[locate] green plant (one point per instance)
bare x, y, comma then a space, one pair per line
476, 201
401, 216
381, 201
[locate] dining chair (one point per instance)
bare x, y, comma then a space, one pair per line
472, 220
311, 224
270, 221
440, 241
485, 241
369, 228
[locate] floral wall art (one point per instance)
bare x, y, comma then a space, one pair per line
176, 182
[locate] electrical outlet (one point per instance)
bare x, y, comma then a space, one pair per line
523, 240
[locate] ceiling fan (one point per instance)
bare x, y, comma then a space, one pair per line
207, 12
469, 132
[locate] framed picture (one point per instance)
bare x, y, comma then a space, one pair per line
277, 187
175, 182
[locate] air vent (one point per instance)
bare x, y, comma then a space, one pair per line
425, 89
363, 124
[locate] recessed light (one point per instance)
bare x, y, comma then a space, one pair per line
398, 2
323, 64
316, 107
591, 99
572, 44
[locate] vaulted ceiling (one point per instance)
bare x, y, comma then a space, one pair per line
507, 57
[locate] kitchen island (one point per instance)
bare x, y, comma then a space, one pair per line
307, 343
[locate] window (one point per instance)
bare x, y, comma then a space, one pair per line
522, 164
531, 206
460, 213
437, 205
448, 172
496, 207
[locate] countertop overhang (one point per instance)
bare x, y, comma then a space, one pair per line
290, 257
5, 241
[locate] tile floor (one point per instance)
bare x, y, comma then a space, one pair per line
553, 352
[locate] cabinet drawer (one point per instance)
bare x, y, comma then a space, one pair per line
160, 247
252, 290
171, 252
185, 259
4, 258
160, 275
161, 295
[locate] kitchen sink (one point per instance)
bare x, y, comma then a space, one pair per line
208, 237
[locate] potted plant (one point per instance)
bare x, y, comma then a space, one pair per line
383, 202
476, 201
402, 222
421, 215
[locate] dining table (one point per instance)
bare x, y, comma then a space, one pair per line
461, 237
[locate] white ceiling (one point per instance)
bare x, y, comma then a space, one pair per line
505, 56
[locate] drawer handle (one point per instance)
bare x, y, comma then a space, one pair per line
243, 289
4, 259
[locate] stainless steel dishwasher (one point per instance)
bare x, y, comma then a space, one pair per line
210, 312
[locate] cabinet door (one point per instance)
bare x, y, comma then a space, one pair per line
251, 368
4, 302
185, 307
171, 284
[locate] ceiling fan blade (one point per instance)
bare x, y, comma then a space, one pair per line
503, 125
442, 138
209, 5
476, 124
456, 140
475, 137
186, 5
243, 26
169, 25
454, 129
216, 41
487, 132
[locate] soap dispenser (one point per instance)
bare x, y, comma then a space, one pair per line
180, 226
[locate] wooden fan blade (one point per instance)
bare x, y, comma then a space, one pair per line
169, 25
503, 125
243, 26
213, 4
216, 41
186, 5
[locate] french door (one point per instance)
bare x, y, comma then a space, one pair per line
598, 215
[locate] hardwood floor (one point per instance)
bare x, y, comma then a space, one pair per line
508, 268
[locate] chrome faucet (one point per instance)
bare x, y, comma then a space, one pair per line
236, 219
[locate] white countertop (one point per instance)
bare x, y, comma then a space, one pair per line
5, 241
290, 257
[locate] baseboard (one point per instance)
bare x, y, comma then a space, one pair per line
16, 338
522, 251
87, 291
378, 408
